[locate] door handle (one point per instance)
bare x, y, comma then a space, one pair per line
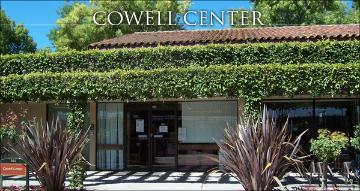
142, 136
158, 136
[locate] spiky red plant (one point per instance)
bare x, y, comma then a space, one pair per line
259, 153
50, 150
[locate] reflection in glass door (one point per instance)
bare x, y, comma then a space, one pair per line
138, 133
163, 136
339, 115
151, 132
313, 114
109, 154
299, 114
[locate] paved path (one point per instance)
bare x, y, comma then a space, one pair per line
130, 180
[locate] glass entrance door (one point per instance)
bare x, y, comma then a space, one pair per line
151, 132
138, 144
164, 141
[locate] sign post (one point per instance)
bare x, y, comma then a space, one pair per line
1, 182
14, 167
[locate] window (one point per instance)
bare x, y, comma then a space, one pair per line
313, 114
299, 114
203, 122
110, 120
58, 111
336, 115
61, 111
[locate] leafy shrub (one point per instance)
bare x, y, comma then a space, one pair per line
355, 141
251, 82
8, 122
178, 56
7, 133
50, 151
259, 154
77, 174
327, 147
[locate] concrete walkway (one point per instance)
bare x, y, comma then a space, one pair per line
130, 180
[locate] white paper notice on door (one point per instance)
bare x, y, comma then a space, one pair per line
163, 128
140, 125
182, 134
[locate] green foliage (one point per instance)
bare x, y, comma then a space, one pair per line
76, 122
8, 122
356, 4
7, 133
251, 82
168, 57
14, 38
328, 145
77, 174
76, 116
7, 127
76, 29
304, 12
45, 50
50, 151
355, 141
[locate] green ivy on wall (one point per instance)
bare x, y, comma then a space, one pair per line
251, 82
76, 121
77, 114
183, 56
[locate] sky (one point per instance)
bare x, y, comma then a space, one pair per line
39, 16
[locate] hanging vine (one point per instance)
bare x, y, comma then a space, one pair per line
76, 120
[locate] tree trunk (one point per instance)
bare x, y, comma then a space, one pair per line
324, 175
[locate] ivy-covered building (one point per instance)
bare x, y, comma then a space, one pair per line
159, 99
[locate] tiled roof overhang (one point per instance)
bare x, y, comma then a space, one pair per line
232, 36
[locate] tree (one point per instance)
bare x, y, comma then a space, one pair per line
356, 4
327, 147
44, 50
76, 29
14, 38
304, 12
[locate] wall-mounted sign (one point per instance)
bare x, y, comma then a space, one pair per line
163, 128
139, 125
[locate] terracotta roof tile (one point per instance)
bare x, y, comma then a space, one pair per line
244, 35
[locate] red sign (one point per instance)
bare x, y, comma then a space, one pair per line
12, 169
